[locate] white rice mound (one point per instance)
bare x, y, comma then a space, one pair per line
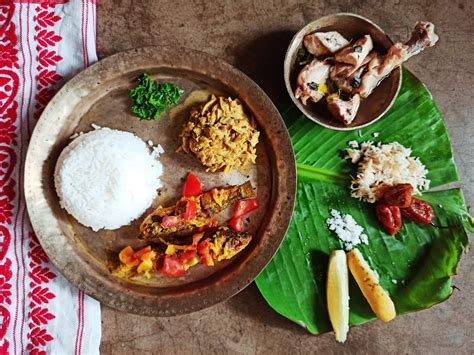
384, 164
107, 178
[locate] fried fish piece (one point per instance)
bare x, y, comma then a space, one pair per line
226, 243
166, 221
214, 245
206, 248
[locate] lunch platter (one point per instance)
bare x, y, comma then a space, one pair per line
162, 181
99, 98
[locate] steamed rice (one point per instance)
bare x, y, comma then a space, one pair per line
384, 164
107, 178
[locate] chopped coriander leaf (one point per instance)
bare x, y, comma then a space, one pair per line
303, 57
358, 49
153, 98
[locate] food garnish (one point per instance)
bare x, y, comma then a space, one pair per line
303, 57
152, 98
381, 165
236, 224
192, 186
369, 284
140, 262
192, 212
244, 207
347, 229
337, 291
172, 266
354, 68
221, 135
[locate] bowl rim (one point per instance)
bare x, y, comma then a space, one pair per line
287, 70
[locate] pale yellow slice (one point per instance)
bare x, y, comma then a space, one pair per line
338, 294
368, 282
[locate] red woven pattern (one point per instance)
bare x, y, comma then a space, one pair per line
8, 114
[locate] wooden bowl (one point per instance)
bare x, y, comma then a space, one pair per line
352, 27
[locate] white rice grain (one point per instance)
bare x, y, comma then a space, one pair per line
107, 178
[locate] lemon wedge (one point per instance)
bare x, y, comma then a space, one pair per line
337, 290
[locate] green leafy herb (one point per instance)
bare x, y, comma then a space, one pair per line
358, 49
153, 98
303, 57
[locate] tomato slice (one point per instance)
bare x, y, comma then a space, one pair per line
191, 208
244, 207
213, 223
192, 186
187, 254
142, 252
127, 257
172, 266
236, 224
196, 238
169, 221
204, 252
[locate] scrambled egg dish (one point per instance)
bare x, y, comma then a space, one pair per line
221, 135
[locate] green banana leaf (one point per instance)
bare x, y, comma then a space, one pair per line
414, 267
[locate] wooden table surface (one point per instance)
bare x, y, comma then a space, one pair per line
253, 36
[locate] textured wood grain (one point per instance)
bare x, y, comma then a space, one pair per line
253, 36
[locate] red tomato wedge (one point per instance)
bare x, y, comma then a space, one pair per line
187, 254
192, 186
196, 238
236, 224
169, 221
205, 253
127, 257
140, 253
244, 207
190, 212
172, 266
213, 223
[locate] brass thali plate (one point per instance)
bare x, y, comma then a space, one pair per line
99, 95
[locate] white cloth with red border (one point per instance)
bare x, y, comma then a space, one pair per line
42, 45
